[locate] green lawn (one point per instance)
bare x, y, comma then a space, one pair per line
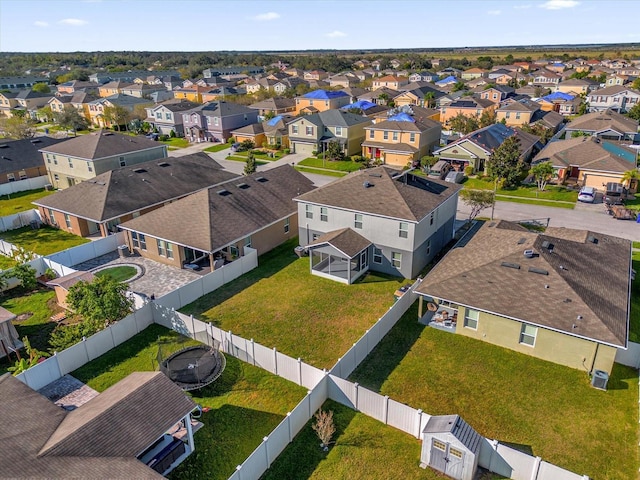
237, 158
21, 201
636, 245
176, 142
36, 309
340, 166
218, 148
532, 201
548, 409
263, 156
246, 402
280, 304
119, 274
634, 319
328, 173
364, 449
43, 241
551, 192
6, 262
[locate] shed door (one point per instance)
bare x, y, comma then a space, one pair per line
447, 459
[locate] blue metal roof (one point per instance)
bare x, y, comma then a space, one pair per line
449, 79
324, 94
558, 96
361, 104
402, 117
274, 121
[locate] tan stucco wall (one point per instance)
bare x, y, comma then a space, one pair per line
79, 226
152, 251
513, 121
274, 235
597, 180
549, 345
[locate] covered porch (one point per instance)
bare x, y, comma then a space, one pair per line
341, 255
437, 313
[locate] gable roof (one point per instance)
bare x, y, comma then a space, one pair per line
588, 153
613, 90
22, 154
569, 278
455, 425
471, 102
129, 189
216, 217
67, 281
324, 95
274, 104
491, 137
377, 191
101, 144
347, 241
600, 121
524, 105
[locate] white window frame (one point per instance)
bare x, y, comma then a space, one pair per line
526, 336
324, 214
161, 250
22, 174
396, 259
395, 136
372, 134
357, 221
67, 220
52, 218
287, 225
338, 131
471, 318
11, 177
377, 255
308, 211
169, 247
308, 131
403, 230
294, 129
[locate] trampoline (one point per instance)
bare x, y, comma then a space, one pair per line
193, 367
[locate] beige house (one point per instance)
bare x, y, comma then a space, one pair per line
390, 81
507, 285
516, 114
87, 156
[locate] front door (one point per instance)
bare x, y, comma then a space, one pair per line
446, 459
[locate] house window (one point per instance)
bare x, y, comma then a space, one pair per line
412, 137
507, 115
287, 225
22, 174
56, 177
495, 96
372, 134
169, 250
67, 220
185, 118
528, 334
294, 129
431, 218
247, 241
471, 318
52, 218
139, 240
324, 214
55, 160
123, 162
338, 131
308, 211
396, 259
357, 221
159, 115
89, 167
70, 163
310, 103
395, 136
167, 116
377, 255
216, 121
233, 250
385, 135
517, 115
429, 247
161, 249
403, 232
11, 177
309, 130
48, 158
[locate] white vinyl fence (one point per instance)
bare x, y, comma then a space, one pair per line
19, 220
88, 251
89, 349
23, 185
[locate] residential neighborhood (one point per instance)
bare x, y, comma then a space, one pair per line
323, 263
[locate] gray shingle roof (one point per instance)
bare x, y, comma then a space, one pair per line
599, 121
349, 242
101, 144
22, 154
130, 189
585, 279
208, 220
385, 196
333, 118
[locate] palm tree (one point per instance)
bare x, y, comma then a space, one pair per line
630, 179
428, 99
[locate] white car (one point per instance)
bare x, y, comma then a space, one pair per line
587, 194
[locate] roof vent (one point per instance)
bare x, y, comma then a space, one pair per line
567, 300
224, 192
521, 241
377, 175
164, 164
4, 145
510, 265
261, 179
592, 239
367, 184
539, 271
139, 170
36, 140
562, 267
242, 186
529, 253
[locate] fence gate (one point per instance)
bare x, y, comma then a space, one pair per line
446, 459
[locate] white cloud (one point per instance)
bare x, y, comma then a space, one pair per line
494, 12
559, 4
74, 22
266, 17
522, 7
40, 23
336, 34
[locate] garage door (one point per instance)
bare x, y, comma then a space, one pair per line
305, 148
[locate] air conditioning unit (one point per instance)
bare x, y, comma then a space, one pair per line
599, 379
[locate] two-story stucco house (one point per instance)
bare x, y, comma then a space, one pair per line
167, 116
216, 120
87, 156
321, 100
376, 219
618, 98
312, 133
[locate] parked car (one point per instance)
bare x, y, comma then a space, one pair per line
587, 195
235, 146
454, 177
440, 169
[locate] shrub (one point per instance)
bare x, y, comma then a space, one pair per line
231, 140
163, 138
468, 170
357, 158
66, 336
286, 151
172, 134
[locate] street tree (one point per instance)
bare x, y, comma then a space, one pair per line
116, 116
487, 118
250, 165
71, 119
18, 127
463, 124
634, 112
505, 165
41, 88
334, 151
542, 172
102, 300
478, 200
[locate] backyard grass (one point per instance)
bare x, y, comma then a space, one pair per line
546, 409
44, 240
280, 304
6, 262
246, 402
21, 201
636, 245
364, 449
634, 317
551, 192
328, 173
218, 148
176, 142
119, 274
340, 166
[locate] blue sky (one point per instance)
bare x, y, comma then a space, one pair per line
184, 25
